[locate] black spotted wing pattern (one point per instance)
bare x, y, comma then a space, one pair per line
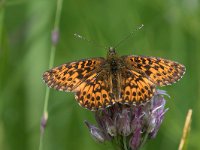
160, 71
95, 92
70, 75
87, 79
135, 88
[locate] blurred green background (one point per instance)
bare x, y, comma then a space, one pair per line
171, 30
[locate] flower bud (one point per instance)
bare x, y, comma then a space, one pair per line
95, 132
55, 36
123, 123
135, 140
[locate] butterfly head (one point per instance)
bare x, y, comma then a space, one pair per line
111, 53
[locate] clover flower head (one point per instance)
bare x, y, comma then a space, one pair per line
129, 127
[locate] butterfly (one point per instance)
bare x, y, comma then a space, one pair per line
101, 82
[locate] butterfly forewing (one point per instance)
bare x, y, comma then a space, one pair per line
70, 75
160, 71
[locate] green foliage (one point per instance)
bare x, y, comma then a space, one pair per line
171, 30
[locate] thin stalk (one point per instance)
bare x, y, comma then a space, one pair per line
124, 143
186, 130
144, 139
51, 62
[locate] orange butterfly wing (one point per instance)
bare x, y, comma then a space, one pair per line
96, 92
160, 71
86, 78
136, 88
70, 75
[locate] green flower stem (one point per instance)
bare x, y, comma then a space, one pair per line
51, 62
144, 139
124, 143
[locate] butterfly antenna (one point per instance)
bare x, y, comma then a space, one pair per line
89, 41
129, 35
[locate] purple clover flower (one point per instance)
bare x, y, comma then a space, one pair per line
128, 127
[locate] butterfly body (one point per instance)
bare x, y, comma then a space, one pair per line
99, 82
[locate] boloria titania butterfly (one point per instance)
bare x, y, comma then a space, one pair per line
99, 83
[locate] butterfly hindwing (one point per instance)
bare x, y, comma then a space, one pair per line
95, 92
160, 71
135, 87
